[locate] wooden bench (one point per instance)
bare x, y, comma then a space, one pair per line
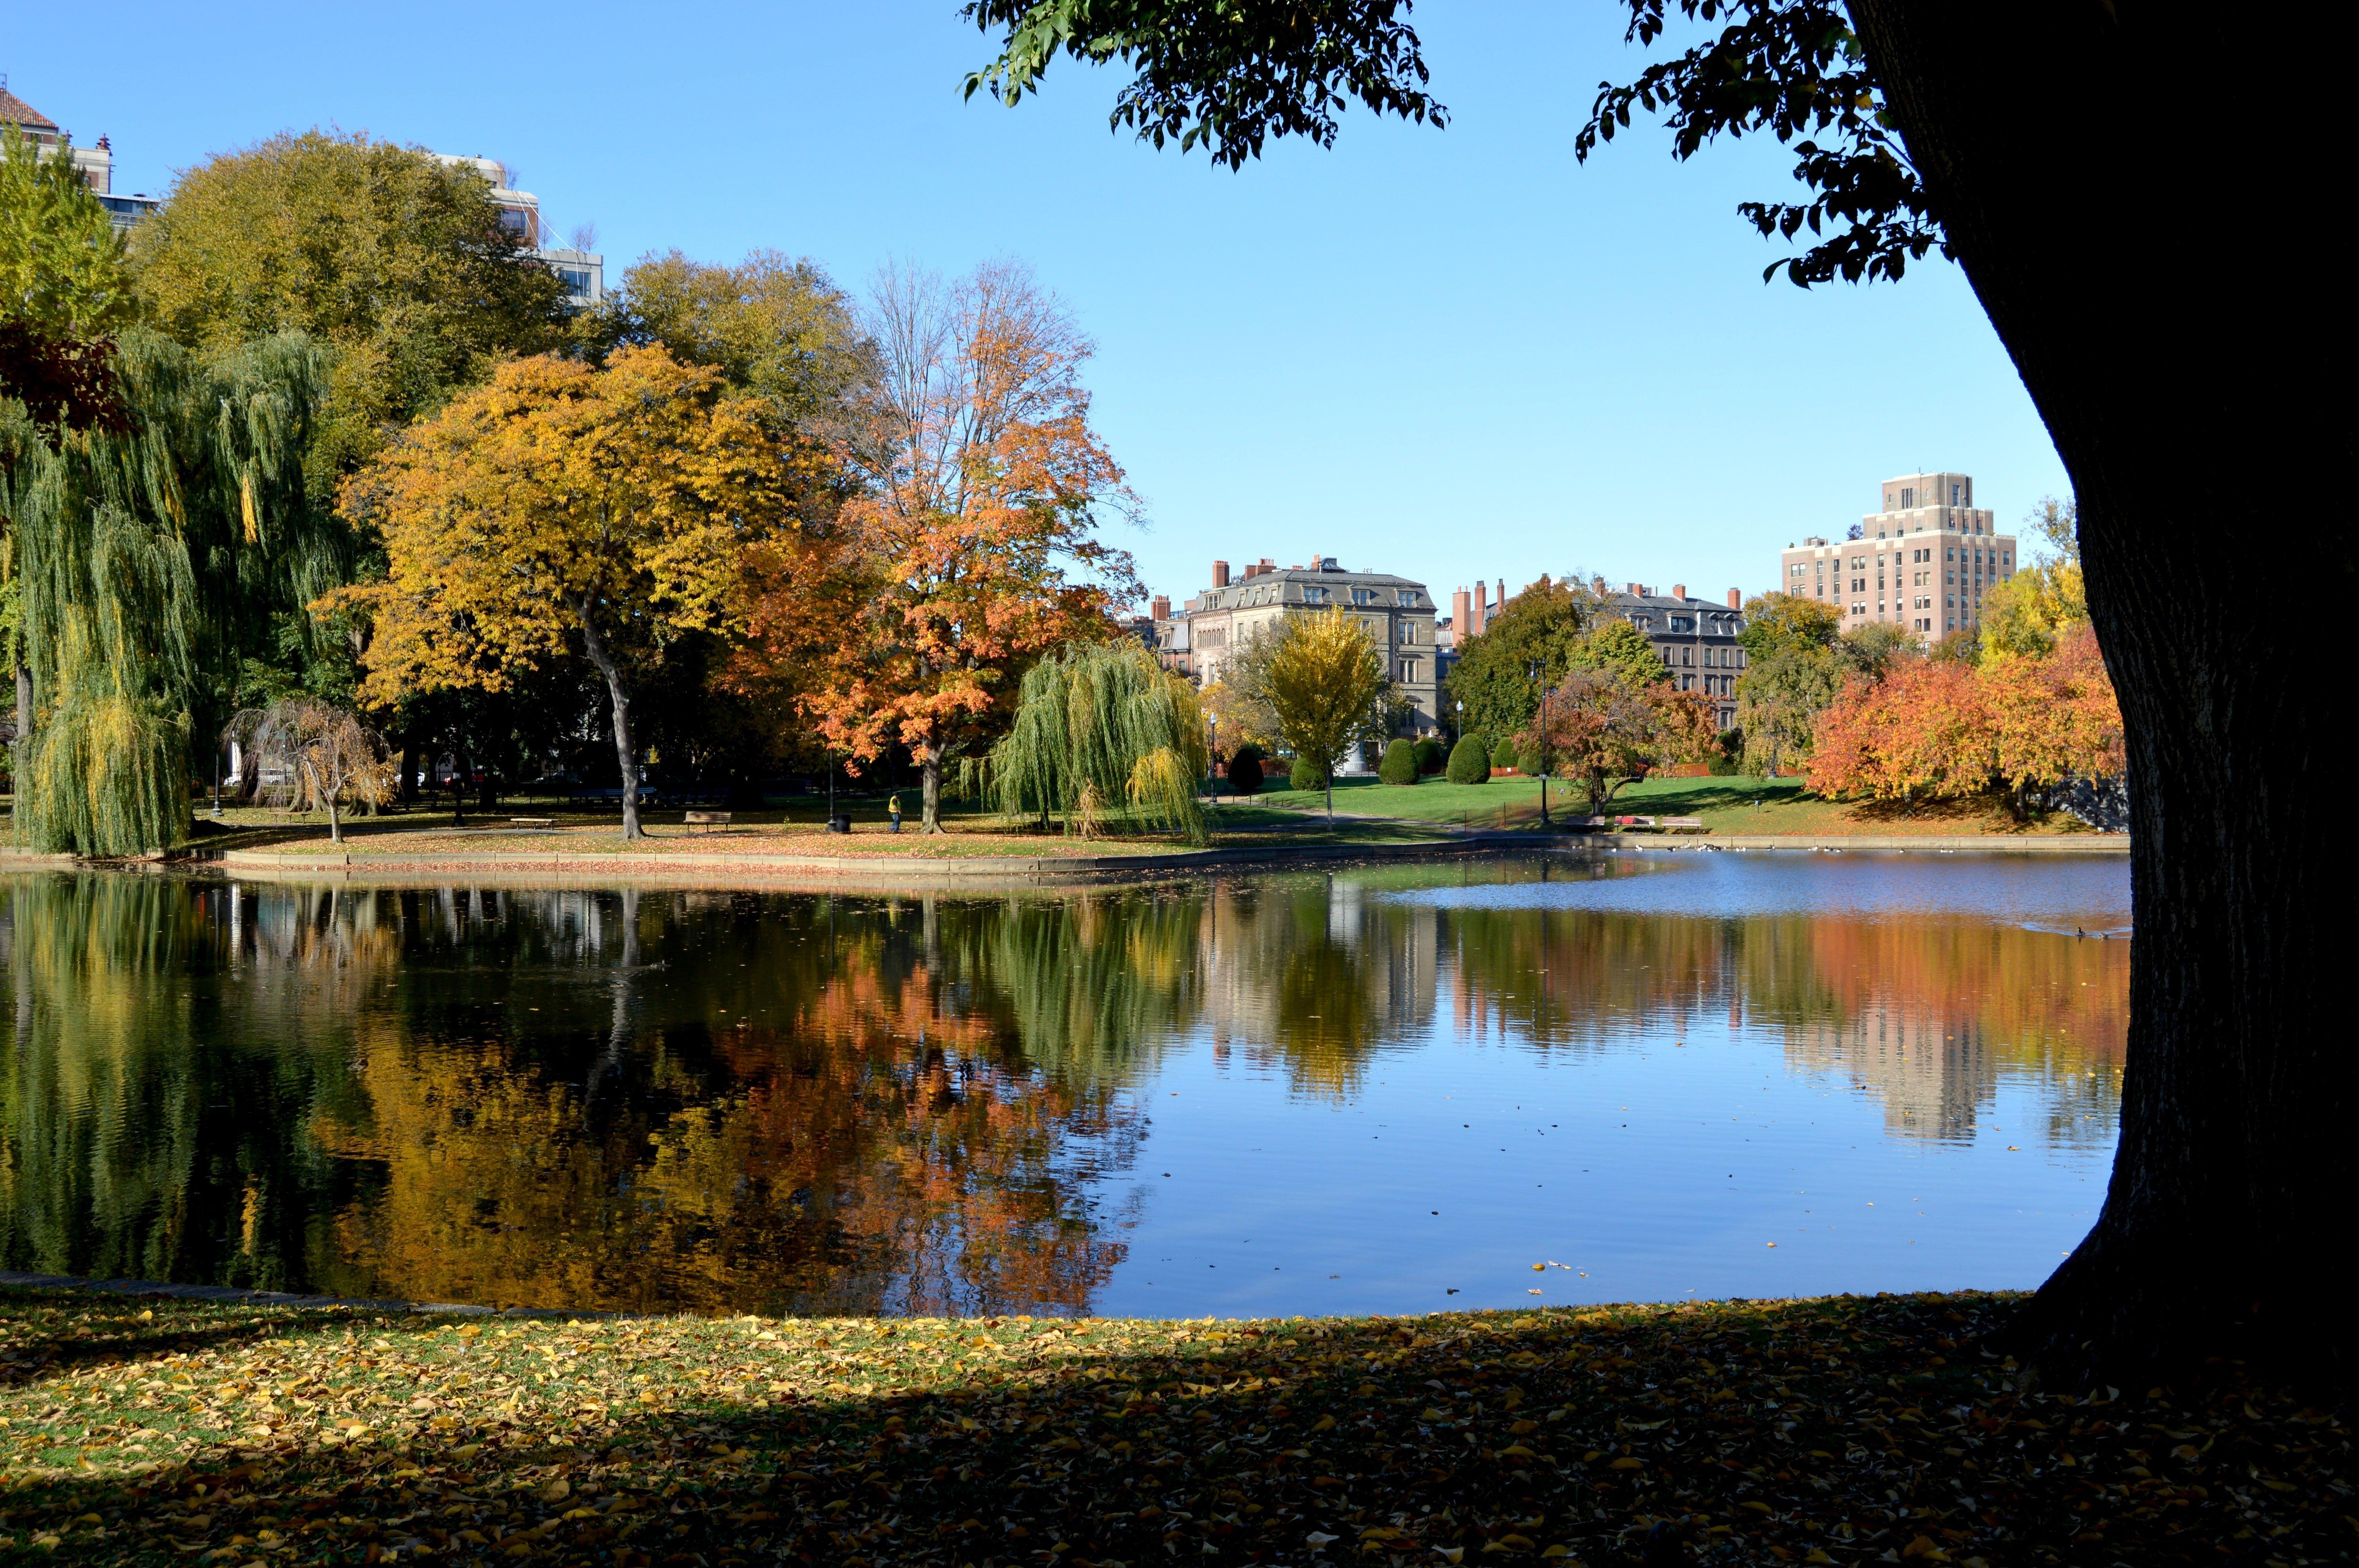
532, 822
709, 820
1680, 823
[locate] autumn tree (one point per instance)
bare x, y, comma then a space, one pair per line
1493, 676
2053, 717
2230, 1146
612, 505
973, 547
317, 757
1325, 678
1942, 729
1606, 726
1922, 732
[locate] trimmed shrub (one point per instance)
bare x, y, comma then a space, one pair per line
1527, 762
1245, 772
1306, 775
1502, 755
1469, 760
1431, 757
1400, 765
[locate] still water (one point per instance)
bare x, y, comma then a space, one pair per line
1383, 1089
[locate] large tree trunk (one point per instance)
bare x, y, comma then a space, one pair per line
930, 775
2130, 191
626, 753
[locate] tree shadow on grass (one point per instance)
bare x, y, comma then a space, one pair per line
1747, 1431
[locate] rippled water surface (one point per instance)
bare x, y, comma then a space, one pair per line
1384, 1089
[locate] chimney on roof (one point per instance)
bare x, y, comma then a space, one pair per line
1597, 586
1478, 613
1220, 574
1162, 607
1502, 600
1461, 617
1735, 598
1678, 590
1637, 590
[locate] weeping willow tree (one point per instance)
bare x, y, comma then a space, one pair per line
143, 556
1100, 725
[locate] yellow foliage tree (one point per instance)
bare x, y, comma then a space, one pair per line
1325, 676
561, 502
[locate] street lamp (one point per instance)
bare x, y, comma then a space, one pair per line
1213, 751
1543, 742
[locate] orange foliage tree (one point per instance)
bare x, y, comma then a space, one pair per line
2054, 716
973, 549
563, 502
1937, 729
1606, 726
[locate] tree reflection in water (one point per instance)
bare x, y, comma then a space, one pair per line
849, 1104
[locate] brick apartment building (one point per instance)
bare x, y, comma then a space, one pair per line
1924, 561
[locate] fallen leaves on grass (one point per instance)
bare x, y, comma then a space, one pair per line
1836, 1431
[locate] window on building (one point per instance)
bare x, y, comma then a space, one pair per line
1908, 498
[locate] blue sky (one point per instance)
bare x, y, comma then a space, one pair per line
1454, 354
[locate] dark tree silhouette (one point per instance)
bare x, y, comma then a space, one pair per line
2140, 240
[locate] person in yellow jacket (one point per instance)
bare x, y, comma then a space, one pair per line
893, 805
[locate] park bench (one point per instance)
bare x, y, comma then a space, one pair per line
532, 822
708, 819
1633, 821
1588, 824
1680, 823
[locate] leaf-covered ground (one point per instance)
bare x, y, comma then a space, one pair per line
1849, 1430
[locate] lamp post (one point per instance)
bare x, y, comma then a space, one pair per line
1543, 741
1213, 752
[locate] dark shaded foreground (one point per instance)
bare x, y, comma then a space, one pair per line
1841, 1429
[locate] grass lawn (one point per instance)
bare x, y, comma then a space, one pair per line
1839, 1431
1725, 804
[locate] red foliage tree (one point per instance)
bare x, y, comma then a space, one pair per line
911, 617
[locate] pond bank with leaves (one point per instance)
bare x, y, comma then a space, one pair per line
1843, 1430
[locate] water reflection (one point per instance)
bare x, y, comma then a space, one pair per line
927, 1104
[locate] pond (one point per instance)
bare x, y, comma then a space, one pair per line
1562, 1079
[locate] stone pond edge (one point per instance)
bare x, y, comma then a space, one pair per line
946, 870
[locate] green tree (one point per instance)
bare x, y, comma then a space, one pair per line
2230, 1148
63, 295
1324, 677
1873, 647
1775, 621
1097, 723
63, 288
1793, 671
1398, 765
771, 324
1616, 647
141, 554
398, 260
1469, 759
1498, 674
